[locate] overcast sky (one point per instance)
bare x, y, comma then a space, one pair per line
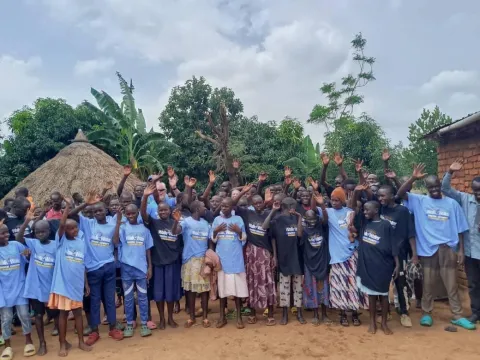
274, 54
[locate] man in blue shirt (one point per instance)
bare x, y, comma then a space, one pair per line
470, 204
440, 224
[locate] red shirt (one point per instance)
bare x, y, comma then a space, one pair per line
52, 214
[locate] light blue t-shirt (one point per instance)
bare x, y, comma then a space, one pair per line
229, 246
195, 238
152, 210
113, 219
437, 222
340, 247
69, 271
12, 274
98, 239
135, 240
40, 270
172, 202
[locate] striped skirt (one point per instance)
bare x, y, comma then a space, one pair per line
344, 293
261, 283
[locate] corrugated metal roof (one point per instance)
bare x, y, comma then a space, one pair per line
457, 124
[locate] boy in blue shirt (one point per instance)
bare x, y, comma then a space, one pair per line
135, 243
229, 235
12, 285
100, 264
40, 272
440, 224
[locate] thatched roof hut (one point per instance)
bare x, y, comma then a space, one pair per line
79, 167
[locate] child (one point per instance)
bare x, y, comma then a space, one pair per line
135, 242
12, 286
229, 235
40, 273
286, 230
316, 259
166, 258
377, 261
69, 280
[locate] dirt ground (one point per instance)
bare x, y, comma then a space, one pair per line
293, 341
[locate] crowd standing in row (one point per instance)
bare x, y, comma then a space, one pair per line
287, 245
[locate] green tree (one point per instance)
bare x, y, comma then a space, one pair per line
122, 132
38, 133
421, 150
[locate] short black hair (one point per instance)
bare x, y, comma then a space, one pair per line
21, 192
374, 203
195, 206
389, 188
20, 202
349, 182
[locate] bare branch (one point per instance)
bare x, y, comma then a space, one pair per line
206, 137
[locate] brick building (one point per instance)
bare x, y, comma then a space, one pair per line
460, 139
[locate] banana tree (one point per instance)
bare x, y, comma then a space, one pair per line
308, 162
123, 132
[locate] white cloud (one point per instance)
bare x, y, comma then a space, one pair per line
93, 66
450, 80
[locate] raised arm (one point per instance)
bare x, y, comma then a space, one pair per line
359, 170
391, 176
357, 193
63, 220
92, 198
299, 224
149, 190
288, 179
20, 237
416, 175
176, 227
172, 181
338, 158
323, 176
262, 177
447, 189
206, 194
127, 170
244, 190
107, 187
317, 201
266, 223
385, 158
116, 232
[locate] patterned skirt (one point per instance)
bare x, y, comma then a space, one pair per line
315, 293
191, 278
344, 293
260, 266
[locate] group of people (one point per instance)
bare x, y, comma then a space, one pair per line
286, 245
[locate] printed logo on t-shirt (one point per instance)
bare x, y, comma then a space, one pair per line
17, 229
135, 240
342, 223
315, 240
256, 229
291, 231
199, 235
99, 240
389, 219
166, 235
10, 264
438, 214
226, 235
74, 256
371, 237
44, 261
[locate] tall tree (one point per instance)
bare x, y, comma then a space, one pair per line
122, 131
420, 149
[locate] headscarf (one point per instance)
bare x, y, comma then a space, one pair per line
339, 193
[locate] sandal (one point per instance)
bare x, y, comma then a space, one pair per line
231, 315
189, 323
54, 332
252, 319
206, 323
356, 321
151, 325
128, 332
271, 322
7, 354
145, 331
344, 320
265, 313
464, 323
245, 311
29, 350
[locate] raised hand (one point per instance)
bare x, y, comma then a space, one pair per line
276, 205
385, 155
108, 185
92, 197
318, 198
156, 177
192, 182
390, 174
150, 189
456, 165
297, 183
263, 176
127, 170
235, 228
325, 159
172, 181
247, 188
358, 165
338, 159
313, 183
221, 227
170, 172
418, 171
211, 177
287, 171
186, 180
30, 214
176, 215
268, 195
236, 164
361, 187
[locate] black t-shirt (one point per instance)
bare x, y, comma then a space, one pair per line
256, 235
316, 256
14, 224
376, 255
402, 224
290, 257
167, 248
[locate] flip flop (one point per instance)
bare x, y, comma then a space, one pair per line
7, 354
151, 325
252, 320
464, 323
265, 313
206, 323
29, 350
426, 320
189, 323
271, 322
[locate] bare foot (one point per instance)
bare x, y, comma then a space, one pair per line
373, 328
42, 350
240, 323
386, 329
161, 324
64, 348
84, 347
172, 323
